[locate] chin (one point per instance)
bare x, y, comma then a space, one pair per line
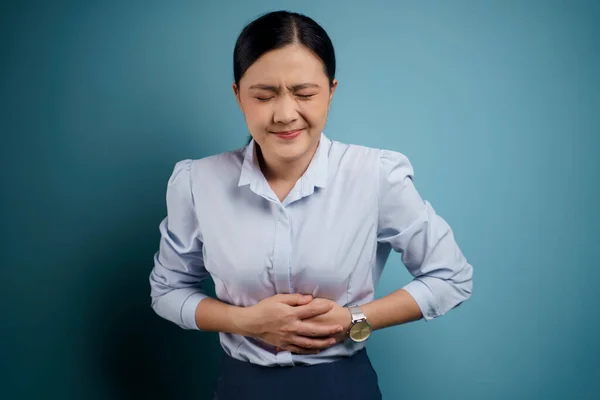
290, 151
295, 148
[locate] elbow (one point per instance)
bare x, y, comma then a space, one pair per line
443, 288
156, 289
154, 303
463, 285
453, 291
466, 285
468, 289
158, 305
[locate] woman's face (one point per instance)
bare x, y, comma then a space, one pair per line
285, 97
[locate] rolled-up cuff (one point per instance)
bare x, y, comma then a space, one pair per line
423, 297
179, 306
188, 310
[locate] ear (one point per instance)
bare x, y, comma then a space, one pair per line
236, 92
332, 88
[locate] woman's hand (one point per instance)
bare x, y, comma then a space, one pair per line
290, 322
338, 315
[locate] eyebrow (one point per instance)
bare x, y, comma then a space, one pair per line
275, 89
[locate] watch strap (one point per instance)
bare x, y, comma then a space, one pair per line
356, 313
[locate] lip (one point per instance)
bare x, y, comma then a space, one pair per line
289, 135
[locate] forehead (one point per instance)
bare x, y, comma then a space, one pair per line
290, 64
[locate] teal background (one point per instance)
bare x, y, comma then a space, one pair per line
495, 103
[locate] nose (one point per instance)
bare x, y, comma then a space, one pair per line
285, 111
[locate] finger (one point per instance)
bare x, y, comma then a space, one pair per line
312, 344
310, 329
299, 350
313, 309
295, 299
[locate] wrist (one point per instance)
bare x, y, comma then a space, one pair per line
243, 321
367, 311
360, 328
346, 320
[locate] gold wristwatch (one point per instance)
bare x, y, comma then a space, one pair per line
360, 329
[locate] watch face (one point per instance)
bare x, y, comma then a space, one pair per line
360, 331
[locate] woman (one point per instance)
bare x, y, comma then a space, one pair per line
295, 229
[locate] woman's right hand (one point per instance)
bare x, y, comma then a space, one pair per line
278, 321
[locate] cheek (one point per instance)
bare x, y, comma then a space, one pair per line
315, 113
256, 114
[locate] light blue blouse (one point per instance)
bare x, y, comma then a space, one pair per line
329, 238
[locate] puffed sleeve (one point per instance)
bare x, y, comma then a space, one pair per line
442, 275
179, 269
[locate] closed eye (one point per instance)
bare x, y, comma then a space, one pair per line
305, 96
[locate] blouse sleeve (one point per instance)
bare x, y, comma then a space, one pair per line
179, 268
442, 275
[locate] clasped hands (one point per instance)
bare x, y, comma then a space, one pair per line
297, 323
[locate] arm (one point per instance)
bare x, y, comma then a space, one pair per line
442, 276
396, 308
178, 273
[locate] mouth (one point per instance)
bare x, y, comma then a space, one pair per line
288, 135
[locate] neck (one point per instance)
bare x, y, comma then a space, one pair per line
283, 171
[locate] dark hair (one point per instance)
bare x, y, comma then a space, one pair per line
276, 30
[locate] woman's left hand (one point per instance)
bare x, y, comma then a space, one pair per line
338, 315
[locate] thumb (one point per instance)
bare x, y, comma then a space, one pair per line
295, 299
